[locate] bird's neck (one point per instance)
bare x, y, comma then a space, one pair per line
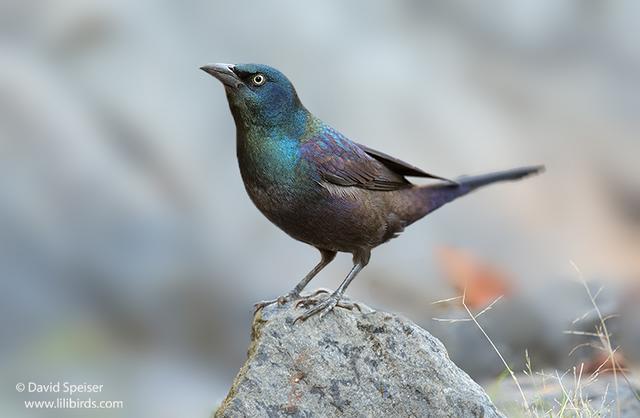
271, 153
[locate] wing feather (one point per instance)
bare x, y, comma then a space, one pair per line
400, 166
344, 163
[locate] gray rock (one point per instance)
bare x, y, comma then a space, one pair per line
369, 364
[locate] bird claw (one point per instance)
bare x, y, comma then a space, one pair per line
318, 292
281, 300
309, 300
306, 302
324, 307
349, 305
321, 308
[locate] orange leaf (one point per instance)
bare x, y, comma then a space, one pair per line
601, 363
484, 282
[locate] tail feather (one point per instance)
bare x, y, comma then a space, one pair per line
437, 195
473, 182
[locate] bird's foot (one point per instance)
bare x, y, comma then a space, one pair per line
311, 296
324, 306
281, 300
306, 301
289, 297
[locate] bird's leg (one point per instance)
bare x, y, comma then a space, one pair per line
327, 257
327, 305
360, 260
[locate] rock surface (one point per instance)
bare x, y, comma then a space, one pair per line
369, 364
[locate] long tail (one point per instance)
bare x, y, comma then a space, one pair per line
470, 183
436, 195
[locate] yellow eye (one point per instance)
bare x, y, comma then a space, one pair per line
258, 79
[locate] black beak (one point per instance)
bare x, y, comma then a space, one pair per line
224, 73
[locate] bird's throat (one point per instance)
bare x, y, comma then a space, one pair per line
267, 156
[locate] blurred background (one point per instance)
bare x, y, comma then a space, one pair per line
130, 254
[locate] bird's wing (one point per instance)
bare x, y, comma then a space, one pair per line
399, 166
344, 163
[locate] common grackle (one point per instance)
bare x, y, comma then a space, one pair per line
320, 187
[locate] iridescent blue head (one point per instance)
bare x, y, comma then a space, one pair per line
258, 95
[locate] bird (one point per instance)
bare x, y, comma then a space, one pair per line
322, 188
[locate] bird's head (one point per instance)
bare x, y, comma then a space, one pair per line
257, 94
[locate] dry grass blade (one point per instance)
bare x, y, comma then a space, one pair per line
474, 319
585, 333
446, 300
504, 362
454, 320
605, 333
